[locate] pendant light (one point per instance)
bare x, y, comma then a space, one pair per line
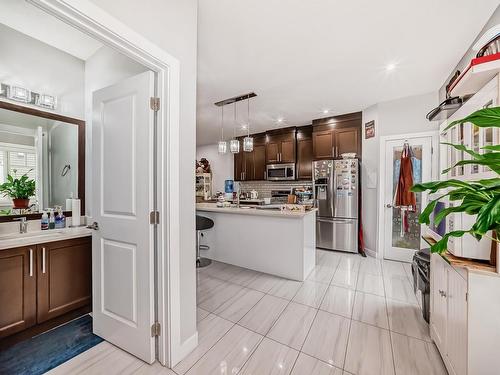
234, 144
222, 142
248, 141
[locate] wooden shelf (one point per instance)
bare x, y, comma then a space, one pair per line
479, 72
471, 264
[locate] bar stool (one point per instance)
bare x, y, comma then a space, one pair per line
202, 223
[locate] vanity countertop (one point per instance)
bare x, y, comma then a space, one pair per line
11, 240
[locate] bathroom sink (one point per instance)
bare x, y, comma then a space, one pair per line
13, 236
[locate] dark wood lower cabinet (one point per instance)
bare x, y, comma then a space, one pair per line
17, 290
42, 282
64, 277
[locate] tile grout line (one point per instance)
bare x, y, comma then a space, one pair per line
389, 323
349, 330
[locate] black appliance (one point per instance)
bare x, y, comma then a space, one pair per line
421, 270
444, 110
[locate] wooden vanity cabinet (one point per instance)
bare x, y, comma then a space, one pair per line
304, 153
336, 135
64, 277
43, 281
17, 290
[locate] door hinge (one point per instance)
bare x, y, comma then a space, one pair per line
154, 217
466, 296
154, 103
155, 329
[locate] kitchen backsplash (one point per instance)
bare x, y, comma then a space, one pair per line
264, 187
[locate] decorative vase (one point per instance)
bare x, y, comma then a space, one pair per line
21, 203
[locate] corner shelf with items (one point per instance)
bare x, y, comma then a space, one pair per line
473, 137
204, 185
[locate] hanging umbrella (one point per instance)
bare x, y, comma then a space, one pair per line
404, 198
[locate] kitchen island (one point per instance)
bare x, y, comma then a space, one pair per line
270, 241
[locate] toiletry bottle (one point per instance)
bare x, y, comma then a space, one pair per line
45, 221
59, 221
52, 221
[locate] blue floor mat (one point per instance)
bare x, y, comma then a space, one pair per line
48, 350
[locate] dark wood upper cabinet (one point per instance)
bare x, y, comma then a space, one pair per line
323, 144
17, 290
280, 146
334, 136
259, 158
250, 166
348, 140
304, 153
64, 276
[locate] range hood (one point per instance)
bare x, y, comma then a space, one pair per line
445, 109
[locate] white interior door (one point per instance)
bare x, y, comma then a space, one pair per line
123, 246
401, 245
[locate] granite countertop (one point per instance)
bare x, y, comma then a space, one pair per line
212, 207
10, 240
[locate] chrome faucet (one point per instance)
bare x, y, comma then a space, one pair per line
23, 224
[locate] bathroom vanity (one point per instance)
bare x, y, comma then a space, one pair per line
44, 277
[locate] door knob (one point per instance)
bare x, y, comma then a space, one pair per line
388, 205
93, 226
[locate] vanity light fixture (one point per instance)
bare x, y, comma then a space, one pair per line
24, 95
46, 101
222, 142
19, 94
248, 141
234, 144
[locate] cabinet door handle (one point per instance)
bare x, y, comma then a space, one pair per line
333, 151
265, 175
43, 259
31, 262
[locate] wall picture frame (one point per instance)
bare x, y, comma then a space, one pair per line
370, 129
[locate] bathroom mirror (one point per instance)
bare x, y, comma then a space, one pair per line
47, 148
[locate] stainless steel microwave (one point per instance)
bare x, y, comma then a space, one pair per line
280, 172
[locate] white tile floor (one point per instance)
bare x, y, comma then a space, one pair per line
353, 315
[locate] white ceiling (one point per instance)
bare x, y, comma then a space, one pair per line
27, 19
302, 57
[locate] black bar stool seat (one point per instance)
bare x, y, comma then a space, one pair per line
202, 223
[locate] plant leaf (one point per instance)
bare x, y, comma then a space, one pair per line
486, 117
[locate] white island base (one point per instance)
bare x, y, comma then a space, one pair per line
281, 244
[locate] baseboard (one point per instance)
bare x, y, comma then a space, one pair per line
185, 348
371, 253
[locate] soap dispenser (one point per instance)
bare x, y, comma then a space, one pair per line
52, 221
44, 225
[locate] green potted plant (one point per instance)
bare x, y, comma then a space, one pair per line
481, 197
20, 190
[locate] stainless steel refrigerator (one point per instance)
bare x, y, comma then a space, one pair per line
335, 187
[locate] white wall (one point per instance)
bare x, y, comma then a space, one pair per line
222, 165
104, 68
401, 116
41, 68
172, 25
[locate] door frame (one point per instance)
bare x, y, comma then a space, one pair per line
382, 174
92, 20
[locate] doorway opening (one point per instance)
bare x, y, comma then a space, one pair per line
102, 77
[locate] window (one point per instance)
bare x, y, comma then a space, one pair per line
22, 160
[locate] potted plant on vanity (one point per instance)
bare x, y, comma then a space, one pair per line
481, 197
20, 190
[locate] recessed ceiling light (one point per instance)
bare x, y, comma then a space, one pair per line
326, 111
390, 67
244, 126
279, 120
